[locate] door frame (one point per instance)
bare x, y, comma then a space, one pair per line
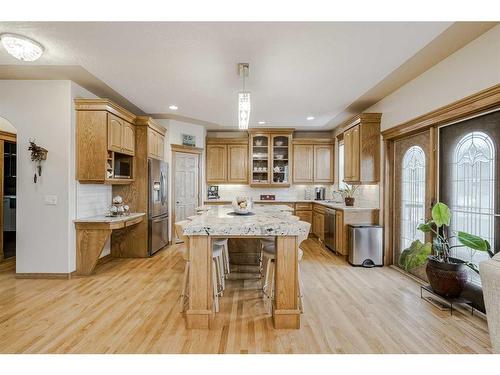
474, 105
185, 150
10, 137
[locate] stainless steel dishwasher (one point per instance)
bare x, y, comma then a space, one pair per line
329, 228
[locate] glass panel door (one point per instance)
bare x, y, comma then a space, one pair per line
412, 193
469, 169
260, 159
281, 147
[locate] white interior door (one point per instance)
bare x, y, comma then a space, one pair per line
186, 182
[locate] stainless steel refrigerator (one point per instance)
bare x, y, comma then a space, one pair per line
157, 205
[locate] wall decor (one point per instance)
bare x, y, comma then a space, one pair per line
38, 154
188, 140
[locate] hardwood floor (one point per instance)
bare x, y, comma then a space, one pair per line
132, 306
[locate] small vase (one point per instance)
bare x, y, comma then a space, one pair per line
349, 201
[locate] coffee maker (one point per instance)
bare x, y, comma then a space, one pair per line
319, 193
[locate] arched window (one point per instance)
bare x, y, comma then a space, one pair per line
473, 190
412, 195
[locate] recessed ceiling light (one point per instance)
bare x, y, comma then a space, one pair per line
309, 118
21, 48
262, 122
173, 107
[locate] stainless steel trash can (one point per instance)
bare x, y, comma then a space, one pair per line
365, 245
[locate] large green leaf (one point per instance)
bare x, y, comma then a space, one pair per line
415, 255
441, 214
426, 227
472, 241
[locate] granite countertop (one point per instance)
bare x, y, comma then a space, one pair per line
109, 219
330, 204
266, 220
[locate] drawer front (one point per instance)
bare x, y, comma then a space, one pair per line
319, 208
303, 206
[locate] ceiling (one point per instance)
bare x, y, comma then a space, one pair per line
296, 69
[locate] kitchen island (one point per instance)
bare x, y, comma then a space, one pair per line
263, 222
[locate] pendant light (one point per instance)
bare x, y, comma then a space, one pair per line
244, 105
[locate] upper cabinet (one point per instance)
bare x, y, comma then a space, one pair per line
362, 149
105, 142
313, 160
270, 157
227, 160
121, 135
155, 136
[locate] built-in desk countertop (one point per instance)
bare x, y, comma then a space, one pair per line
92, 234
266, 221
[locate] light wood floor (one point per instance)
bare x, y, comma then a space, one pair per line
131, 306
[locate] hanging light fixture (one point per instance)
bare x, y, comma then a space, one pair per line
244, 105
21, 47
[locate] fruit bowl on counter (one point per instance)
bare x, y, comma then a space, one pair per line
242, 205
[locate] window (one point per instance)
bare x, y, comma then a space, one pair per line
473, 191
342, 184
412, 196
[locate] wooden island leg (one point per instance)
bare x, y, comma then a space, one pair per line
200, 310
89, 246
286, 312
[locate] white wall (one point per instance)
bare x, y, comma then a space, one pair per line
6, 126
41, 110
175, 129
473, 68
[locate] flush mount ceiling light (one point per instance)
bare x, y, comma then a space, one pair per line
173, 107
262, 122
22, 48
309, 118
244, 105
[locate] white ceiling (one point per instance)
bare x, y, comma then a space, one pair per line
296, 69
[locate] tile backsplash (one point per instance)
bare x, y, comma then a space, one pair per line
367, 195
92, 200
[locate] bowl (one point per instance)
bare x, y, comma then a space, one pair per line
242, 205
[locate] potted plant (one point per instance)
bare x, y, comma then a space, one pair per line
348, 194
447, 275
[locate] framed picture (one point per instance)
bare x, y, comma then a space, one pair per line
188, 140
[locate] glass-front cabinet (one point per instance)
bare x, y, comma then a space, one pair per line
270, 155
260, 166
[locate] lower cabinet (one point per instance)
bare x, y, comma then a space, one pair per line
339, 233
319, 225
306, 216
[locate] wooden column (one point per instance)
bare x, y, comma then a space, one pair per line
200, 310
286, 313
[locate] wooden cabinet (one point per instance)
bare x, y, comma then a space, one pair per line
303, 163
323, 163
121, 135
216, 170
313, 160
304, 211
104, 134
339, 233
319, 225
362, 149
237, 164
227, 161
156, 144
270, 157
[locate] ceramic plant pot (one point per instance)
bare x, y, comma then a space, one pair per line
349, 201
446, 279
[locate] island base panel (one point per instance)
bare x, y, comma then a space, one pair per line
200, 310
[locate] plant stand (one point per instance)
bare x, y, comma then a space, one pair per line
447, 301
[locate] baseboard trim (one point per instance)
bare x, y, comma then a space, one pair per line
65, 276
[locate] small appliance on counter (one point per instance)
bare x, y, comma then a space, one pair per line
365, 246
319, 193
213, 192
